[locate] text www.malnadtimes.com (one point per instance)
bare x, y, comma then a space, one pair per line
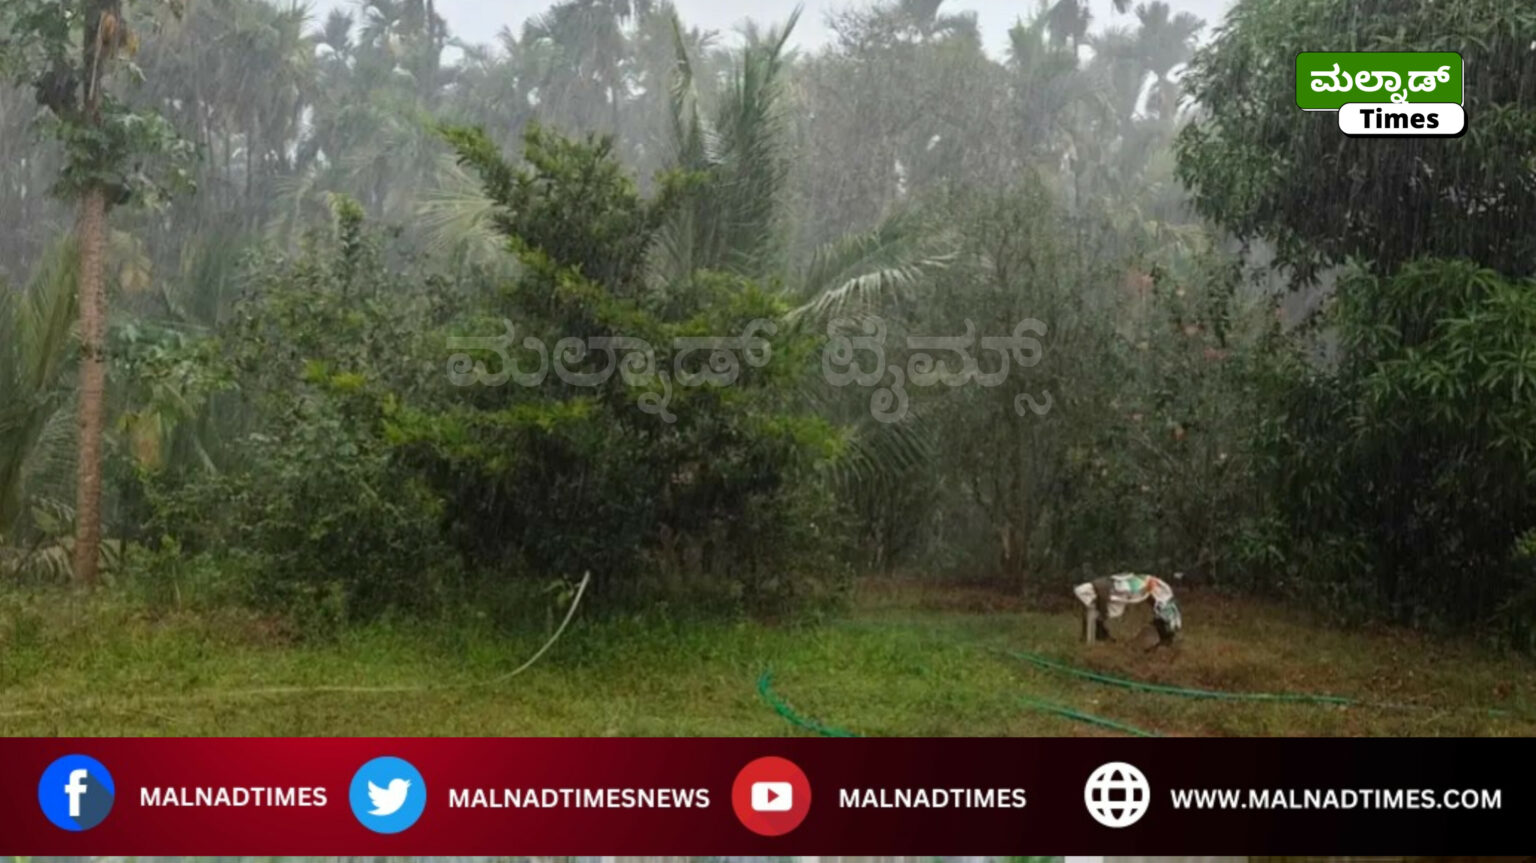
1336, 798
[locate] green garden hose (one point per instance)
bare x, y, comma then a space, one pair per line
1089, 718
1285, 697
1123, 683
781, 707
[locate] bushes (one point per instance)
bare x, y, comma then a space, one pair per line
308, 490
1145, 367
1185, 432
368, 478
661, 489
1405, 472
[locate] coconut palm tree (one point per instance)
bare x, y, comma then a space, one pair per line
734, 220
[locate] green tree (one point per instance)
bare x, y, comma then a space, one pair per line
1404, 477
1397, 444
1264, 170
312, 505
707, 499
70, 54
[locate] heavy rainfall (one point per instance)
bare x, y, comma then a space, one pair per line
621, 368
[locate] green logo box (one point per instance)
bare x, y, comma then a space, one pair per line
1328, 80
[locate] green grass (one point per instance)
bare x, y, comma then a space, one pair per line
904, 661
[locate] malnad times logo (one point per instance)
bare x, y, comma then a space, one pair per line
76, 792
1380, 94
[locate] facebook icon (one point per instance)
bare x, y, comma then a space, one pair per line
76, 792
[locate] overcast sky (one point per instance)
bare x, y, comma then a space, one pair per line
479, 20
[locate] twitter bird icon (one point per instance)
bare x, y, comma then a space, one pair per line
388, 795
387, 801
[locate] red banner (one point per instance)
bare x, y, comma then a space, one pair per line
761, 797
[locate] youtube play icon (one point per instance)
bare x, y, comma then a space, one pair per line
771, 796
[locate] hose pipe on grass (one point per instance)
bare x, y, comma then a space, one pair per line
781, 707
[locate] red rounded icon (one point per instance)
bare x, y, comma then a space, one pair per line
771, 796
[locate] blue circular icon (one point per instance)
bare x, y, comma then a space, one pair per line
387, 795
76, 792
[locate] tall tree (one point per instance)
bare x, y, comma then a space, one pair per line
1164, 42
68, 53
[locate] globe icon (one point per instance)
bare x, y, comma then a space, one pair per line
1117, 795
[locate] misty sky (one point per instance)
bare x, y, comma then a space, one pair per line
479, 20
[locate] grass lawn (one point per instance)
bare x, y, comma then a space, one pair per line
906, 660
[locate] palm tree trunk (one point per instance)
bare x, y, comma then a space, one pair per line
93, 385
98, 42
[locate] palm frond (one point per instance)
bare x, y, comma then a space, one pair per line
695, 140
47, 471
864, 272
731, 221
458, 219
875, 456
35, 335
51, 558
878, 455
695, 151
751, 125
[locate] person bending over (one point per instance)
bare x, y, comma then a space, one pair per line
1110, 595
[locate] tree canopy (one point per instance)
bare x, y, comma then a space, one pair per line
1263, 169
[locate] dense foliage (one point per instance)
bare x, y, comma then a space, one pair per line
1397, 449
420, 342
1263, 171
1403, 473
374, 475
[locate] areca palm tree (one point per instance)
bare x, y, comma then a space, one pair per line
369, 126
1164, 42
405, 37
238, 76
1067, 22
586, 74
1125, 139
930, 22
1045, 83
